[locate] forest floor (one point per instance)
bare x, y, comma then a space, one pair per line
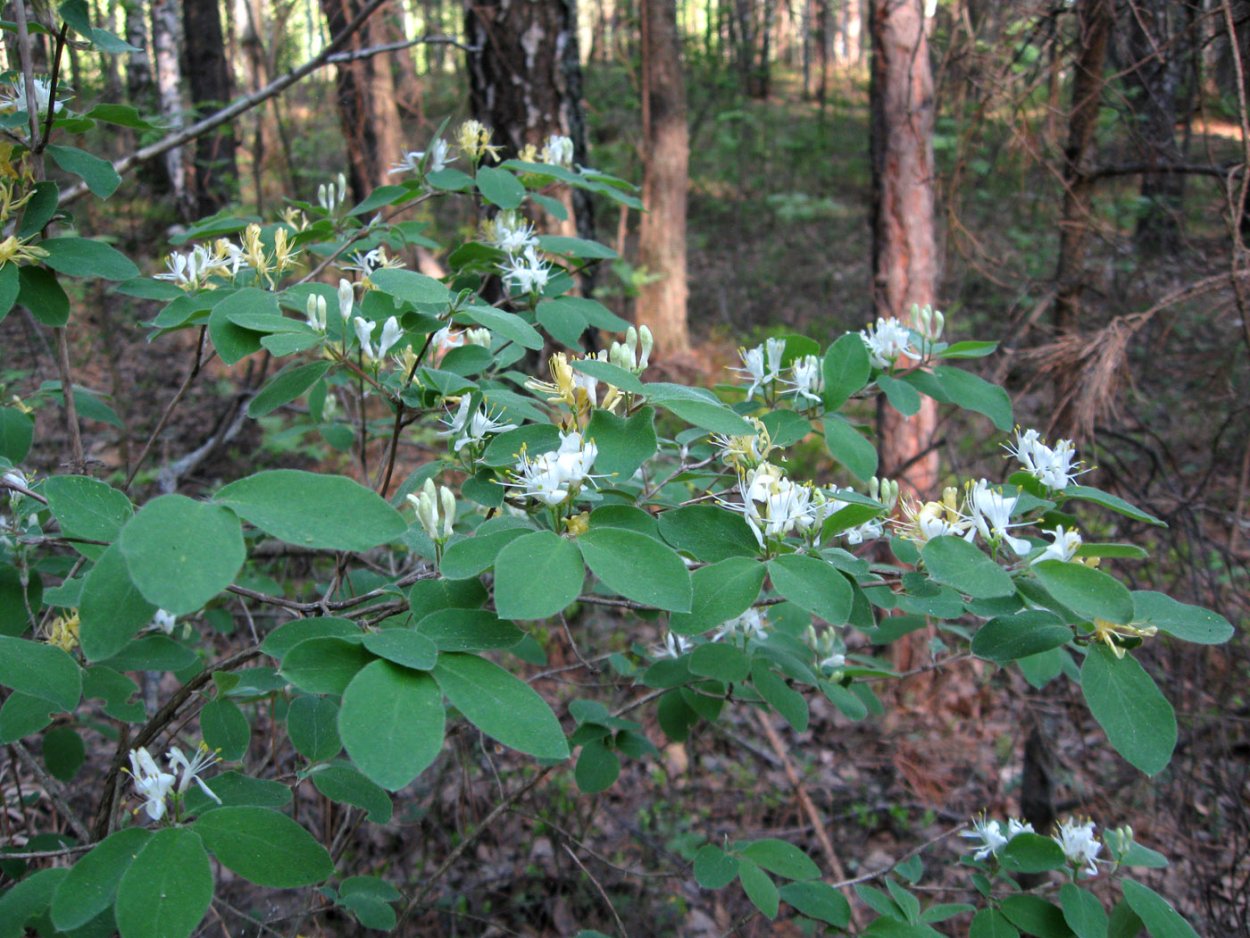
779, 242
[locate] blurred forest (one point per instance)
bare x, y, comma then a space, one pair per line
1066, 178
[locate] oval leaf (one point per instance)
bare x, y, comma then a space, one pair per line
92, 882
392, 723
1136, 717
638, 567
264, 847
953, 562
813, 585
167, 889
537, 575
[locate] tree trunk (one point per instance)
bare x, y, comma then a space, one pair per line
140, 90
409, 95
661, 304
165, 36
905, 261
366, 100
1094, 18
216, 169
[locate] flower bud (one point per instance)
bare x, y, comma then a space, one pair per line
646, 342
347, 299
449, 510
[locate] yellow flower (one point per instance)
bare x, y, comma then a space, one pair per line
14, 250
578, 525
473, 139
1108, 633
63, 632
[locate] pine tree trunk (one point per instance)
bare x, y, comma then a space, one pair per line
165, 43
661, 304
140, 90
216, 169
905, 259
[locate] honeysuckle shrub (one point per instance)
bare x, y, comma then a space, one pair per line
561, 478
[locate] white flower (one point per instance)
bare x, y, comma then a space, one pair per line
772, 504
1079, 845
886, 341
15, 95
472, 429
191, 768
1055, 467
366, 262
151, 783
192, 270
674, 646
808, 381
558, 151
347, 299
315, 312
625, 354
989, 836
1064, 548
411, 163
526, 271
331, 195
479, 337
391, 333
428, 505
511, 233
753, 368
553, 478
749, 625
165, 621
991, 516
1015, 825
834, 662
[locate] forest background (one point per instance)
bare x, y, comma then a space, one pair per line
1083, 167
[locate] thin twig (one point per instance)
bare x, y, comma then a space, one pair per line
398, 46
52, 788
598, 888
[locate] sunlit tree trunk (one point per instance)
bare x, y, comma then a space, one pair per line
216, 169
661, 304
165, 44
905, 260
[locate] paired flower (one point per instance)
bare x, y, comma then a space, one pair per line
428, 504
673, 646
887, 341
473, 139
1065, 546
155, 786
511, 233
990, 516
762, 364
391, 333
1055, 467
164, 621
439, 157
1077, 841
774, 505
1079, 845
743, 629
14, 97
580, 392
471, 427
553, 478
558, 151
808, 381
925, 521
526, 272
991, 835
331, 195
191, 271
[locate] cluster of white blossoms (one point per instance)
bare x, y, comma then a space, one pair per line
523, 269
1056, 467
471, 427
391, 334
773, 505
194, 269
436, 510
367, 262
14, 96
762, 364
890, 339
634, 354
331, 195
553, 478
763, 367
578, 391
439, 156
155, 786
1077, 840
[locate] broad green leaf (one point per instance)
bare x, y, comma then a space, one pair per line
40, 670
1180, 620
759, 887
592, 311
713, 868
28, 899
152, 653
225, 729
87, 508
232, 341
780, 696
285, 387
1137, 718
408, 286
576, 247
501, 705
324, 665
499, 187
21, 715
722, 591
624, 443
1156, 913
975, 393
312, 724
611, 374
41, 293
19, 602
1089, 593
849, 447
83, 257
63, 752
468, 630
92, 882
1114, 502
901, 395
508, 325
1033, 915
781, 858
341, 783
953, 562
1083, 912
10, 283
638, 568
470, 556
285, 637
708, 533
264, 847
98, 174
563, 324
167, 889
380, 198
403, 647
537, 576
625, 516
701, 412
1124, 922
721, 662
392, 723
314, 510
597, 768
41, 209
813, 585
181, 553
990, 923
846, 370
111, 608
1031, 853
785, 427
1007, 638
16, 432
818, 901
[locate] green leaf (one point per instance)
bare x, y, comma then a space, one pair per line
98, 174
41, 293
722, 591
408, 286
509, 325
901, 395
10, 284
953, 562
1031, 853
1089, 593
83, 257
1007, 638
41, 209
16, 597
63, 752
579, 248
380, 198
976, 394
714, 868
846, 370
721, 662
818, 901
285, 387
21, 715
1156, 913
781, 697
1114, 502
232, 341
696, 409
123, 115
1137, 718
592, 311
16, 433
314, 510
611, 374
625, 443
849, 447
563, 324
312, 724
537, 576
87, 508
759, 887
111, 608
708, 533
501, 706
813, 585
282, 639
990, 923
1035, 916
392, 723
225, 729
167, 889
499, 187
781, 858
339, 782
1083, 912
968, 349
40, 670
637, 567
1124, 922
597, 768
181, 553
404, 647
468, 630
1180, 620
27, 900
92, 882
324, 665
264, 847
